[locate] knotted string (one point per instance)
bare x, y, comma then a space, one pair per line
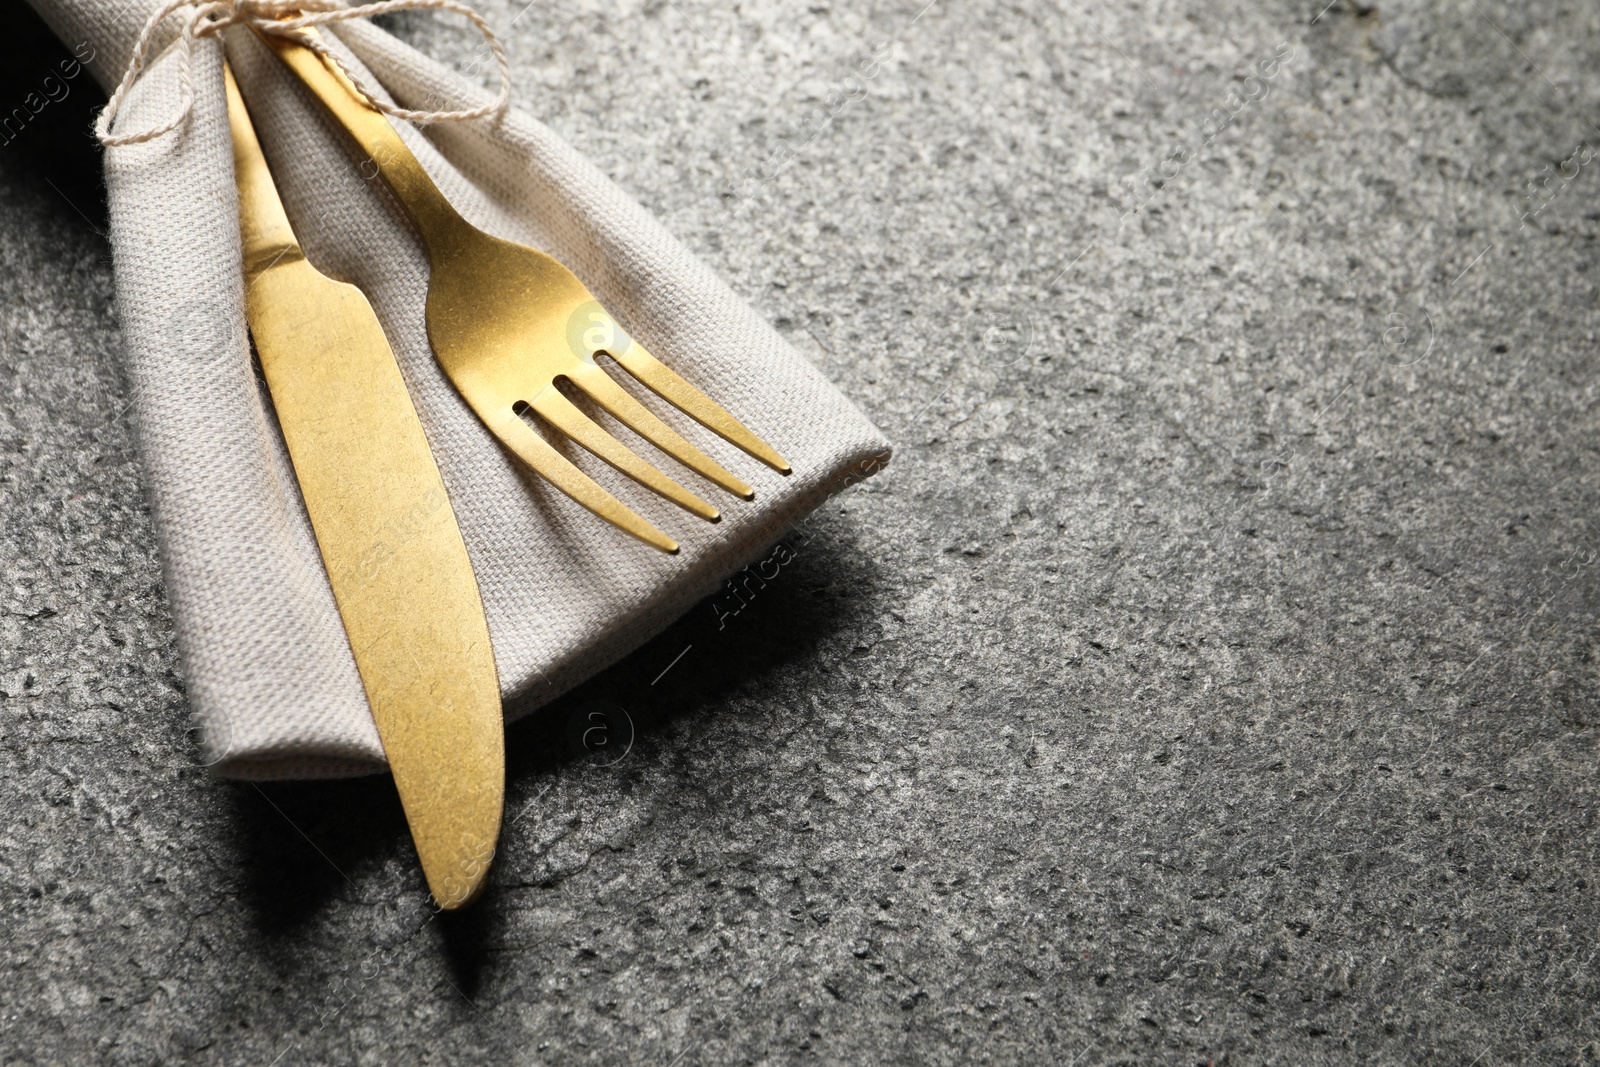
289, 19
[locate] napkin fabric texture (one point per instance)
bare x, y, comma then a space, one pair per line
270, 674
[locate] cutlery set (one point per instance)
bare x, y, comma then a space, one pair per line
520, 338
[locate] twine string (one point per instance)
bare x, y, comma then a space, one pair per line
288, 19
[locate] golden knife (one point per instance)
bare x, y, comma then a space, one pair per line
383, 521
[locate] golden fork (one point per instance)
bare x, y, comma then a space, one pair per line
511, 325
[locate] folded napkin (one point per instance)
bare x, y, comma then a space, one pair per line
270, 675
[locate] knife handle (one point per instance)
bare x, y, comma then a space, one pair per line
264, 230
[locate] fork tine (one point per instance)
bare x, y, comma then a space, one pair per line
692, 402
638, 418
564, 415
555, 468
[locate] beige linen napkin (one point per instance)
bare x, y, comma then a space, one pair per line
270, 674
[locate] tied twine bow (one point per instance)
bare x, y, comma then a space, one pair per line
290, 19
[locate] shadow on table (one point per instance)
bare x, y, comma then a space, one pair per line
48, 103
306, 843
722, 643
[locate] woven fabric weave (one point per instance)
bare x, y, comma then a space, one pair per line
270, 674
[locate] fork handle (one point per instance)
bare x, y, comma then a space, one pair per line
386, 153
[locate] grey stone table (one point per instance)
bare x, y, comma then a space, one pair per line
1212, 679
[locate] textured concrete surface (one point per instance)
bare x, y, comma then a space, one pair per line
1212, 680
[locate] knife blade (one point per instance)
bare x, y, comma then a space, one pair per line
395, 557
